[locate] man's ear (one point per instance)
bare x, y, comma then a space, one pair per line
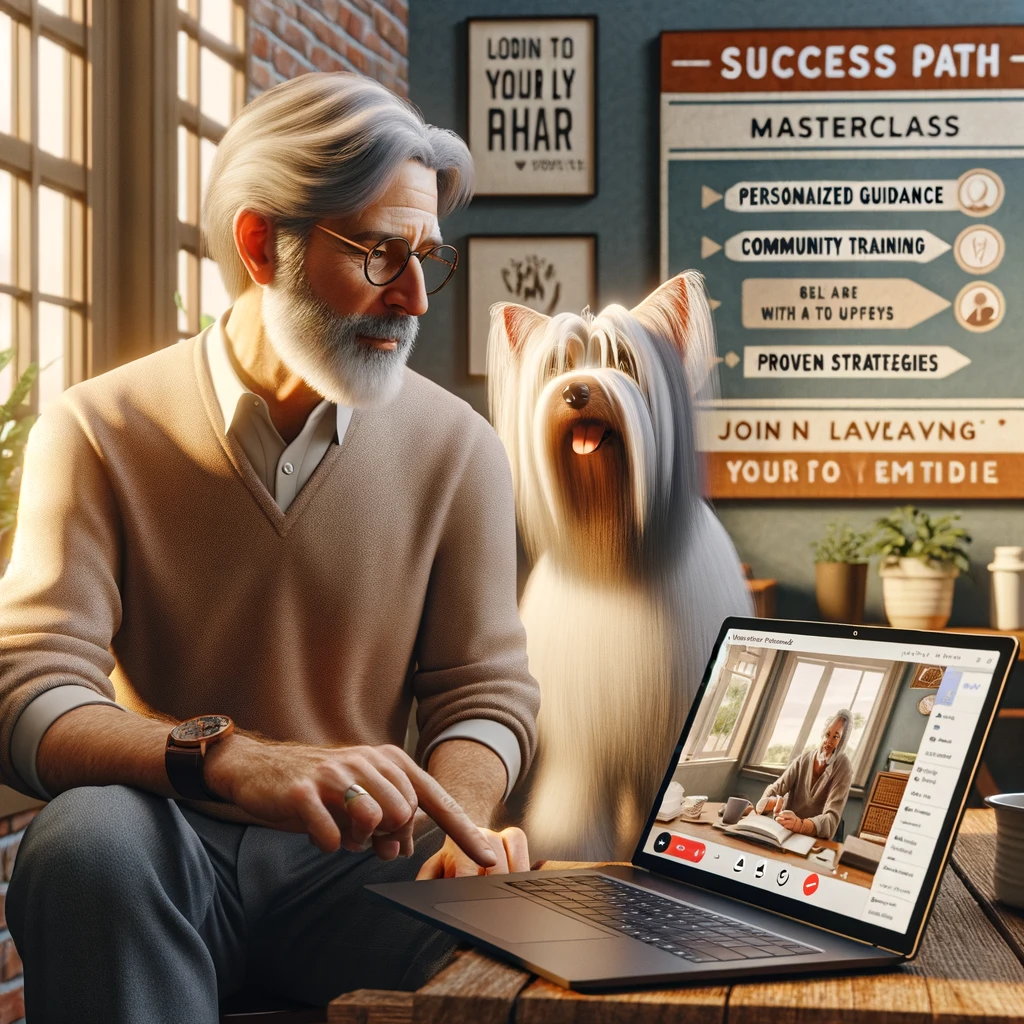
666, 311
254, 240
516, 322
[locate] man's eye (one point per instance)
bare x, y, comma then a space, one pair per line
378, 254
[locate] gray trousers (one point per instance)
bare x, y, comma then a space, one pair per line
128, 907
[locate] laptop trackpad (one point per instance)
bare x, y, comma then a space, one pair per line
518, 920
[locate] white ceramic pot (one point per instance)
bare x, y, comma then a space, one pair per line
1007, 605
916, 594
1009, 866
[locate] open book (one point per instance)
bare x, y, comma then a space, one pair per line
764, 829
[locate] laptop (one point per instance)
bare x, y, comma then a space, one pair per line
706, 897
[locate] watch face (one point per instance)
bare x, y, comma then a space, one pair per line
195, 730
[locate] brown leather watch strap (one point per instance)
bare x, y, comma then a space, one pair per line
185, 771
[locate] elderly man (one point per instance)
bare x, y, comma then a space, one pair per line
810, 795
278, 533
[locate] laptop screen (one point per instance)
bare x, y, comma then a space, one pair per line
826, 770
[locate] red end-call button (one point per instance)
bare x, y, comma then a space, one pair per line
680, 846
810, 885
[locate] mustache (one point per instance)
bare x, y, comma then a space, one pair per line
402, 328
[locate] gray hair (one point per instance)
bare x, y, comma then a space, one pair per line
323, 144
846, 717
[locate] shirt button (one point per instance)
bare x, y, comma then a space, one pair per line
288, 469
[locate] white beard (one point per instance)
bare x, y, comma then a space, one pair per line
321, 346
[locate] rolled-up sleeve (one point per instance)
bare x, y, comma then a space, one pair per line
60, 602
471, 662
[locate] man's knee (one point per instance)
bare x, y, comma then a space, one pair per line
93, 845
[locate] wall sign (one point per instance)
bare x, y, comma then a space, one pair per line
549, 273
531, 105
855, 198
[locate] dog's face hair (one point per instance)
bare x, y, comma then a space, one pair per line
595, 414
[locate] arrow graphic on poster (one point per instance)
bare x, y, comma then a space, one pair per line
708, 247
837, 303
921, 362
708, 197
714, 304
833, 244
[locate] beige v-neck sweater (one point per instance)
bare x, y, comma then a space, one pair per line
148, 551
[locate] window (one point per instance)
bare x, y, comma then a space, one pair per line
810, 692
211, 91
45, 208
727, 713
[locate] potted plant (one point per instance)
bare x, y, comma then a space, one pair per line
921, 559
14, 428
840, 573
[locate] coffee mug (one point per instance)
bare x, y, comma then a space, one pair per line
733, 810
1009, 870
693, 805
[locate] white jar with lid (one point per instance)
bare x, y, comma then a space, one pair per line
1007, 607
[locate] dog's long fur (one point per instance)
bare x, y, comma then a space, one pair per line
632, 573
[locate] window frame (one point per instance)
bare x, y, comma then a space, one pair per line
73, 176
866, 754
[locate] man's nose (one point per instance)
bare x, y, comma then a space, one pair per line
576, 394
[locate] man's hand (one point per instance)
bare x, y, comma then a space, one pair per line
509, 847
300, 788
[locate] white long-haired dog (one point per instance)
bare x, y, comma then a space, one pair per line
632, 573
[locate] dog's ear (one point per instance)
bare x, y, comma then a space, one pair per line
678, 311
518, 322
666, 311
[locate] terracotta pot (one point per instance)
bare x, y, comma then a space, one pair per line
916, 594
839, 588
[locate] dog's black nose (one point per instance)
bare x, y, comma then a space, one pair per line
576, 395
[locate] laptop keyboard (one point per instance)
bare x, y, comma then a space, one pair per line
688, 932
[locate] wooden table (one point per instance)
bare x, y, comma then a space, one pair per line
969, 971
704, 830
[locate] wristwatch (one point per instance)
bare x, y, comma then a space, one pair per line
186, 753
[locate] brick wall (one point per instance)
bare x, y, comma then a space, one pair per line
291, 37
12, 1004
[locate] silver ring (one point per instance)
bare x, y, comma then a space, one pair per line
354, 791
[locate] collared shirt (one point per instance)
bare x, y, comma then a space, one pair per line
283, 468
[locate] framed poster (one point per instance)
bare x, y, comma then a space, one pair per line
531, 102
549, 273
853, 198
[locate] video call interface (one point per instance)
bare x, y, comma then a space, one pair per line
823, 769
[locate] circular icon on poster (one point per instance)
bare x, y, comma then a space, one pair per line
979, 192
979, 307
926, 703
810, 885
783, 876
661, 843
979, 249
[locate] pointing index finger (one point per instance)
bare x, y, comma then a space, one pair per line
442, 807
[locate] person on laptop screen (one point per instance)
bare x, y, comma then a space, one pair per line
814, 787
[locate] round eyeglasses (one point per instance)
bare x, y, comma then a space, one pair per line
385, 260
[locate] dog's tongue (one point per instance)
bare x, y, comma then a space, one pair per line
586, 437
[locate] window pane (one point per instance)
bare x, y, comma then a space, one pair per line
186, 298
6, 342
57, 6
53, 332
207, 151
791, 717
53, 82
215, 297
728, 715
6, 228
217, 85
217, 16
6, 76
184, 214
186, 67
53, 242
